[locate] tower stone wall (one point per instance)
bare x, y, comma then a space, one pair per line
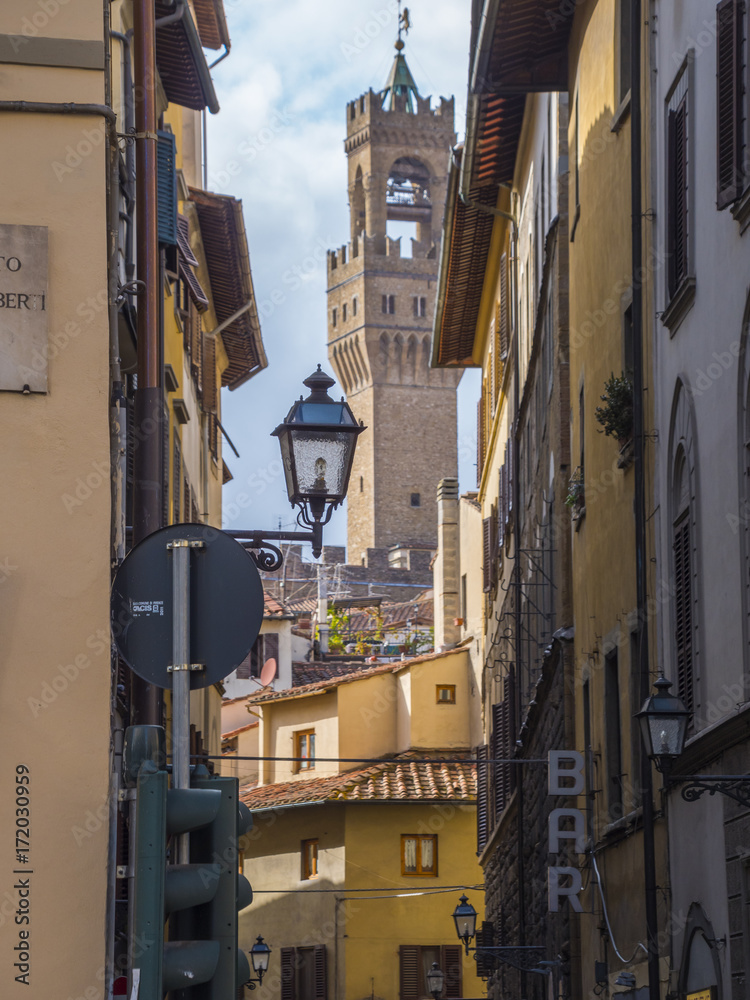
380, 311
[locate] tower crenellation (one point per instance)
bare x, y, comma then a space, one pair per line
381, 297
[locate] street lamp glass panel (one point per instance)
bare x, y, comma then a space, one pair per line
435, 979
260, 954
321, 462
664, 737
465, 917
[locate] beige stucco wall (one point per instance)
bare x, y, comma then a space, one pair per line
280, 720
432, 724
55, 499
367, 717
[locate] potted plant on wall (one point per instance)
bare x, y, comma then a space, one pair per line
576, 498
616, 416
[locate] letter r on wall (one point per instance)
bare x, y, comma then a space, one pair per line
555, 890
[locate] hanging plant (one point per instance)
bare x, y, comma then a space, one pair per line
616, 416
576, 494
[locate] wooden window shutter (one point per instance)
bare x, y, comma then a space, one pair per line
482, 798
487, 554
683, 613
288, 974
729, 144
129, 458
176, 477
321, 972
501, 505
678, 195
165, 465
186, 506
452, 963
271, 646
511, 726
485, 939
196, 348
481, 433
166, 188
209, 376
408, 972
498, 745
504, 324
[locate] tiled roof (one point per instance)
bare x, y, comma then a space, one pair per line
398, 779
419, 612
242, 729
347, 678
322, 685
312, 673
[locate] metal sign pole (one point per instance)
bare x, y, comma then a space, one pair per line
181, 678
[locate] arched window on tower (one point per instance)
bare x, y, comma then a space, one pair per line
408, 204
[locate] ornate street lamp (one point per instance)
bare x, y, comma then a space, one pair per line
527, 958
435, 980
317, 442
664, 721
465, 917
260, 954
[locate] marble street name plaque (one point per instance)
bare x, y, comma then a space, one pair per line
23, 308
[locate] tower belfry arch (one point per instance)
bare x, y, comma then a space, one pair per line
381, 301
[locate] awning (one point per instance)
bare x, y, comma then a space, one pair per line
228, 262
212, 23
182, 67
521, 48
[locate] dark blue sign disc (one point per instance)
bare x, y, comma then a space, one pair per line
226, 605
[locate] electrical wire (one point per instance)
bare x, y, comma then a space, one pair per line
397, 891
625, 961
376, 760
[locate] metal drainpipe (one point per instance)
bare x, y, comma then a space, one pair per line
145, 699
129, 149
641, 554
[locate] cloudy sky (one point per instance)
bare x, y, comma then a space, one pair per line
278, 145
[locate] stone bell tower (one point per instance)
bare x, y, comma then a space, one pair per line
381, 301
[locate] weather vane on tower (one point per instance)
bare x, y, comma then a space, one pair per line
404, 24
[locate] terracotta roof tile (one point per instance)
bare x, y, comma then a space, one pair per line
395, 779
311, 673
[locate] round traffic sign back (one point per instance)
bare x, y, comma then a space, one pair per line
226, 605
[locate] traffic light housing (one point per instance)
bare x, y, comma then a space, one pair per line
200, 959
160, 888
217, 919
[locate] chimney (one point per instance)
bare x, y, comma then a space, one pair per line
446, 569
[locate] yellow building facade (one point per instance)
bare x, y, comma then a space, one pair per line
69, 302
362, 844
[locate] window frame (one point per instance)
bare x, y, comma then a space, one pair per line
730, 53
420, 872
679, 289
451, 688
308, 764
309, 859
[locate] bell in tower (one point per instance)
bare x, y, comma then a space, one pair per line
381, 299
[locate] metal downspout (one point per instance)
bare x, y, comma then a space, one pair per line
641, 553
146, 701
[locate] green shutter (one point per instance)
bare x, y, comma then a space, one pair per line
166, 188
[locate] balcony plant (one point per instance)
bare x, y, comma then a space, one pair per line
576, 494
616, 416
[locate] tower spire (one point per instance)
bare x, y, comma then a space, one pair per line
400, 93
